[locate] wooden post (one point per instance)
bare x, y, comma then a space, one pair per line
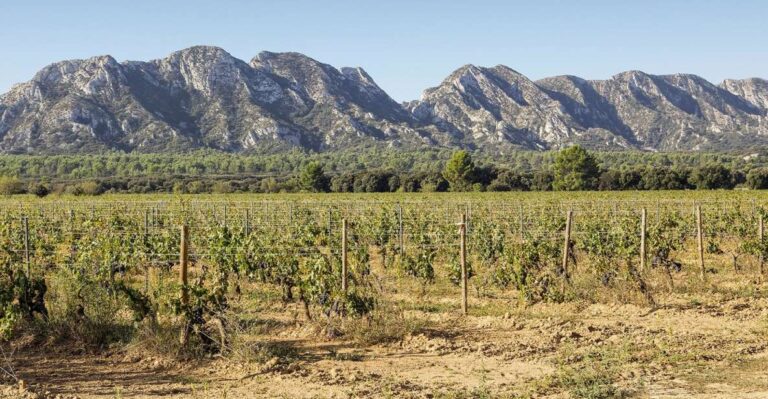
146, 233
760, 236
183, 279
344, 256
225, 216
643, 217
400, 229
469, 217
290, 219
463, 259
25, 221
700, 239
247, 222
567, 244
522, 224
26, 249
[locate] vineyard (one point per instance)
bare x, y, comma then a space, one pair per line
196, 270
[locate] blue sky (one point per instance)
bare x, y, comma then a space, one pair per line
406, 46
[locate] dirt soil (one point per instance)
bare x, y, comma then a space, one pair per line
707, 346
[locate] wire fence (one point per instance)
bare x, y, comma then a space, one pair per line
147, 231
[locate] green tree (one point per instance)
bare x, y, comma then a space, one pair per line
712, 176
313, 178
460, 171
575, 169
757, 179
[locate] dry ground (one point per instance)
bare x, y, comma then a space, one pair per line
704, 340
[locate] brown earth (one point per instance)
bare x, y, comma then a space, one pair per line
705, 340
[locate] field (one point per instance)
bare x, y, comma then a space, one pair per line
653, 294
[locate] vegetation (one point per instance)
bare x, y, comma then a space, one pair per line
313, 178
103, 273
380, 170
105, 249
460, 171
575, 169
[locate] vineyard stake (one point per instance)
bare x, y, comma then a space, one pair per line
658, 212
25, 221
522, 224
760, 236
344, 255
400, 228
247, 222
567, 245
26, 255
469, 217
700, 239
146, 233
463, 259
183, 278
642, 240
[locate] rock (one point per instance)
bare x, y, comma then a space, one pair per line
285, 99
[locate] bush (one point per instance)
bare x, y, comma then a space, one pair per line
507, 180
344, 183
11, 186
222, 188
89, 188
269, 185
757, 179
40, 190
196, 187
713, 176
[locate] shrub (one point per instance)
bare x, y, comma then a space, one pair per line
40, 190
90, 188
11, 186
757, 179
222, 187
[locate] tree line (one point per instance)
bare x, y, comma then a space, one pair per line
573, 168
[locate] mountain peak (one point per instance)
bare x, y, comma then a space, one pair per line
202, 96
202, 50
358, 74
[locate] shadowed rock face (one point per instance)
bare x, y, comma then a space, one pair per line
202, 97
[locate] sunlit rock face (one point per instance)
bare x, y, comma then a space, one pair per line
202, 97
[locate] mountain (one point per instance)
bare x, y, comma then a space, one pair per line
203, 97
497, 106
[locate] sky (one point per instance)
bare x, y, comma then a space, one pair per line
406, 46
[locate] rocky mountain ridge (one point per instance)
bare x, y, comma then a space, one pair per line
203, 97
